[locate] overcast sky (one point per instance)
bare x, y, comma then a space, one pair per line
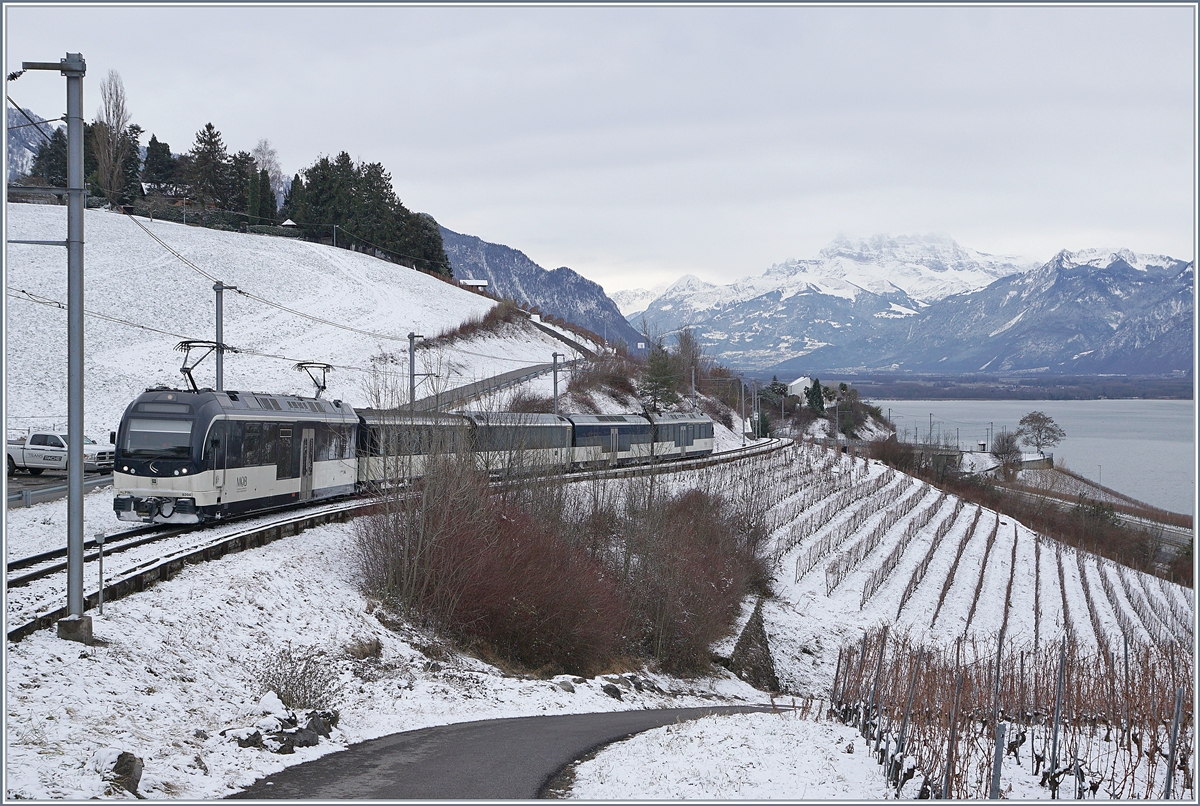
636, 144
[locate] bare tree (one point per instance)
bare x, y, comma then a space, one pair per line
1038, 429
112, 146
267, 159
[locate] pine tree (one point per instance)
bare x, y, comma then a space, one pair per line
266, 198
133, 164
252, 202
815, 398
50, 162
237, 189
210, 165
658, 381
159, 168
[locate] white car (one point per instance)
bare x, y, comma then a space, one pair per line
43, 450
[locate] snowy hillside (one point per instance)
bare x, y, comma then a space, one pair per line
142, 301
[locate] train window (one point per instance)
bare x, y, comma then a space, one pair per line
158, 438
215, 446
253, 454
284, 461
235, 437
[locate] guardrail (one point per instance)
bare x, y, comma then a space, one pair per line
31, 496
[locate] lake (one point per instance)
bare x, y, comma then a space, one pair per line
1142, 448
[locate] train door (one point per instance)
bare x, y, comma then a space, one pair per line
217, 443
614, 445
307, 444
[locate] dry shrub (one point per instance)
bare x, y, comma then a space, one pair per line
526, 402
455, 556
692, 570
303, 677
536, 600
611, 374
505, 313
718, 411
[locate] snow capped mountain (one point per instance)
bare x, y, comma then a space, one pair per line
562, 292
633, 301
907, 271
1096, 311
925, 267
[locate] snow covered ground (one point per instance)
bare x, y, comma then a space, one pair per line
735, 757
131, 278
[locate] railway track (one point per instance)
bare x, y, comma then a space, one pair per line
142, 573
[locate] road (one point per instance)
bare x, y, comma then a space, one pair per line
493, 759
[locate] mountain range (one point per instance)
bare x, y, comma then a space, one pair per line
927, 304
562, 292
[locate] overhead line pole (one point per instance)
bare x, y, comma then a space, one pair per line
73, 67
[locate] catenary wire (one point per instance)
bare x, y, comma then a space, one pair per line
294, 312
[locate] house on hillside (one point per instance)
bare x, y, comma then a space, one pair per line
799, 386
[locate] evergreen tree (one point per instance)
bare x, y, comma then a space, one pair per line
159, 168
132, 166
266, 198
294, 203
50, 162
658, 381
815, 399
209, 166
237, 189
252, 203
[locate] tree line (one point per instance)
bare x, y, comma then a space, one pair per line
352, 205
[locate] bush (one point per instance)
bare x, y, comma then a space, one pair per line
504, 313
302, 678
612, 375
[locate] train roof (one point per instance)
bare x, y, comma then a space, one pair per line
603, 419
680, 417
511, 418
291, 406
402, 416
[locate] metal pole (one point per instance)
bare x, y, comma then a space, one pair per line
953, 739
335, 236
100, 543
742, 391
1174, 742
412, 371
693, 383
555, 358
1058, 695
220, 287
997, 762
74, 68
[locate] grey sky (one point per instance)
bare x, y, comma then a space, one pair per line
636, 144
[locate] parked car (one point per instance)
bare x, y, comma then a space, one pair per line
42, 450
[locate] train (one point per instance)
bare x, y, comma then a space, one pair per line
196, 456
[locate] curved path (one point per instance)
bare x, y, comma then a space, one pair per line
494, 759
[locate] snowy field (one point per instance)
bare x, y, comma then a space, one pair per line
132, 278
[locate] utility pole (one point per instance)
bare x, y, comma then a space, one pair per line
742, 391
693, 384
555, 357
76, 626
220, 287
412, 372
335, 236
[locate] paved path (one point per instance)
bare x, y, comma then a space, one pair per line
493, 759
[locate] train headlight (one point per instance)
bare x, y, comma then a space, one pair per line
185, 471
176, 472
125, 468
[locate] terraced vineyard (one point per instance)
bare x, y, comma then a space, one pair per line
874, 568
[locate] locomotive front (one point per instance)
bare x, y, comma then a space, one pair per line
160, 473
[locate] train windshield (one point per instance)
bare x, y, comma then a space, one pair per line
158, 438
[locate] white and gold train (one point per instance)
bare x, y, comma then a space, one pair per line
187, 457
